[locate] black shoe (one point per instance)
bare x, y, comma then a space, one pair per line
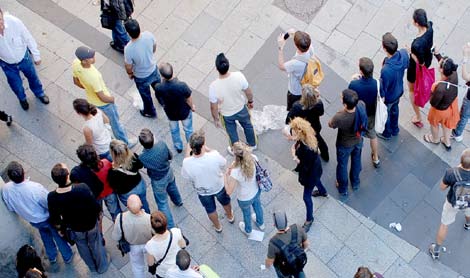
383, 137
24, 104
179, 150
307, 225
9, 120
118, 49
317, 193
432, 251
44, 99
147, 115
466, 226
325, 158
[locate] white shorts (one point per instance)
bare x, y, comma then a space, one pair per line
449, 213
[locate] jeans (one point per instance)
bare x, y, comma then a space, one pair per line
139, 190
12, 72
464, 116
163, 188
245, 206
106, 155
119, 34
110, 110
244, 118
280, 275
138, 261
91, 249
175, 130
112, 203
391, 126
308, 200
342, 156
143, 86
49, 235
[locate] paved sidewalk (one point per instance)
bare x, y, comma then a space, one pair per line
189, 34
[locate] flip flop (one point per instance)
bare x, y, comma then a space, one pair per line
448, 147
428, 139
418, 124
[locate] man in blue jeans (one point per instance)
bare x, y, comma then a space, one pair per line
18, 51
230, 97
156, 158
178, 105
121, 10
391, 87
348, 144
29, 200
457, 133
141, 65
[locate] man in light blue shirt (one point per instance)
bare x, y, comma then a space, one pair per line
29, 200
141, 64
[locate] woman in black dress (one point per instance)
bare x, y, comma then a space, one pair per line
305, 154
420, 54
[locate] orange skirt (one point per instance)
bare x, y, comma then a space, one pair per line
448, 118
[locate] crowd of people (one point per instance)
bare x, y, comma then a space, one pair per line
110, 171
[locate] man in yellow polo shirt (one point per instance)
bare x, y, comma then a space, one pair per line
86, 76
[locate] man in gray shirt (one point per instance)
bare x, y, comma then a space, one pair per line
134, 225
141, 64
296, 66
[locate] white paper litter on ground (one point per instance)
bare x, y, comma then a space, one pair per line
271, 117
256, 235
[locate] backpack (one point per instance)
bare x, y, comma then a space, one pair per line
313, 73
292, 259
461, 196
129, 6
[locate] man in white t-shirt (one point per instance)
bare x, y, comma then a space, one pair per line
204, 168
295, 67
182, 269
231, 97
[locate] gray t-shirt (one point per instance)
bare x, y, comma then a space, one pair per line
139, 54
295, 71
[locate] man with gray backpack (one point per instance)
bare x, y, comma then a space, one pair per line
457, 179
286, 249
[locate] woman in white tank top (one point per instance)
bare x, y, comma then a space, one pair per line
94, 129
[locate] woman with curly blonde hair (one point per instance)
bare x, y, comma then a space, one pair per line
124, 177
242, 172
305, 154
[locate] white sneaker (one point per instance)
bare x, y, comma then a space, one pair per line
241, 225
229, 150
253, 217
132, 142
253, 148
458, 138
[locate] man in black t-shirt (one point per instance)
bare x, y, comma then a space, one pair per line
73, 207
284, 233
177, 103
452, 175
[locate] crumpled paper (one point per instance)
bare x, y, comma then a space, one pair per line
271, 117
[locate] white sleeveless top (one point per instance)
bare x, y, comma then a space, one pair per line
101, 135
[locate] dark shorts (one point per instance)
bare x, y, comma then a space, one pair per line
291, 99
370, 133
208, 202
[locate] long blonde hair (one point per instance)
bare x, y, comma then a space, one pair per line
310, 96
244, 159
121, 154
304, 132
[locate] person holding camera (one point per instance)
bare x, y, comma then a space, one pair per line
295, 67
134, 226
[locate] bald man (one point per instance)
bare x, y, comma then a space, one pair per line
137, 231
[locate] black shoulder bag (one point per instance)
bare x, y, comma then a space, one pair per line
153, 268
123, 245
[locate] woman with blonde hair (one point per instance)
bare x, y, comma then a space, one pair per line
310, 108
124, 177
242, 173
305, 154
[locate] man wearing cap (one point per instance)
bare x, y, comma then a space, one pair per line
16, 44
141, 65
230, 97
86, 76
284, 234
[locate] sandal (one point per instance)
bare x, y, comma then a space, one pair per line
428, 139
448, 147
418, 124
